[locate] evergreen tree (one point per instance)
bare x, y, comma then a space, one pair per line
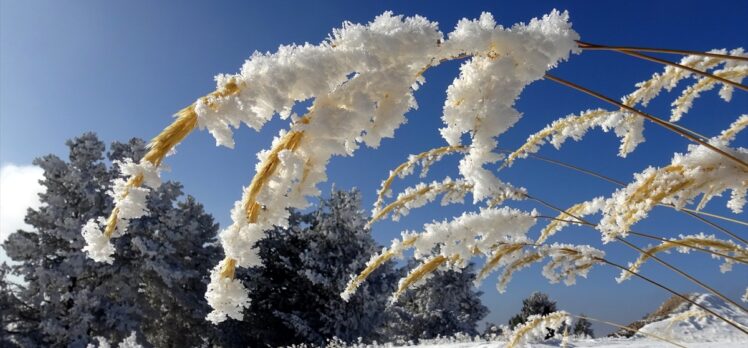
446, 304
296, 292
18, 323
492, 331
156, 283
537, 304
583, 328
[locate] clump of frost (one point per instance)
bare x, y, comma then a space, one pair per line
130, 202
98, 246
227, 296
480, 101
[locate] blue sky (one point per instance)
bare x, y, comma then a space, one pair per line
121, 69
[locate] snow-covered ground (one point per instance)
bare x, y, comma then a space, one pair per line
597, 343
686, 325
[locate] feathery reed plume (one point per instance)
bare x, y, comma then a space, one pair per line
682, 131
736, 127
535, 326
396, 250
700, 171
452, 191
572, 126
671, 76
420, 274
425, 159
694, 71
569, 261
497, 259
625, 124
457, 240
576, 211
129, 195
522, 262
683, 244
414, 197
684, 102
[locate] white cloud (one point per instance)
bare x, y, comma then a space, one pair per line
19, 190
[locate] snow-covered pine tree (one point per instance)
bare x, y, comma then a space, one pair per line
153, 289
296, 293
445, 304
583, 328
17, 321
537, 304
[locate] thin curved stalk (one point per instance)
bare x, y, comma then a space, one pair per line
684, 274
653, 237
668, 125
693, 213
596, 47
680, 66
699, 212
653, 257
628, 328
636, 274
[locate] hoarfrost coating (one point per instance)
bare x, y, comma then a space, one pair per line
699, 171
129, 203
385, 59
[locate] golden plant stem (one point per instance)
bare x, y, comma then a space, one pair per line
166, 140
668, 125
172, 135
111, 223
229, 269
653, 257
730, 322
591, 46
290, 141
628, 328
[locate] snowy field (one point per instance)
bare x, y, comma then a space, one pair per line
686, 325
599, 343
